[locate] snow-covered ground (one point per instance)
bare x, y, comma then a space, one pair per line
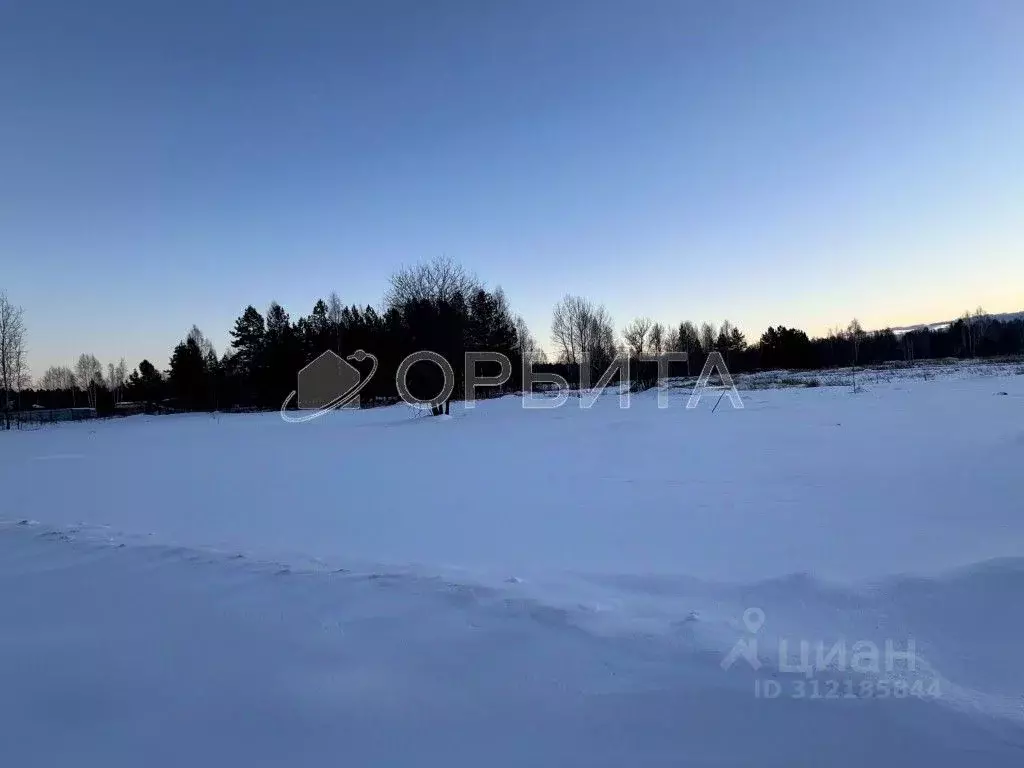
519, 587
895, 372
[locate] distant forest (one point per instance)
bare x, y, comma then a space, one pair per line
439, 306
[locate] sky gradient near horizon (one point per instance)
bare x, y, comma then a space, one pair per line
168, 163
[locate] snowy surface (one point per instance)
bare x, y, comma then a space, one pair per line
884, 373
521, 587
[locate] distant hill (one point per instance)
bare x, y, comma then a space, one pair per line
940, 326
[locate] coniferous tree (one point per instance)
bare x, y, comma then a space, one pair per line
441, 308
145, 384
248, 339
282, 356
188, 376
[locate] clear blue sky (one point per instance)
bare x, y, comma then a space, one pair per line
168, 163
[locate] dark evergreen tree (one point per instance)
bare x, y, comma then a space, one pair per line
248, 339
782, 347
188, 377
282, 356
146, 385
315, 332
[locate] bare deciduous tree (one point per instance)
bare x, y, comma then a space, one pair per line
441, 279
724, 334
636, 334
121, 370
563, 328
672, 340
22, 379
57, 377
526, 345
855, 333
204, 344
707, 337
974, 326
334, 317
12, 352
89, 374
980, 322
583, 332
116, 375
657, 339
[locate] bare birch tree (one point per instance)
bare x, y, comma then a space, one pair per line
116, 375
12, 352
204, 344
563, 328
121, 371
334, 318
980, 322
583, 332
441, 279
22, 379
707, 338
89, 374
526, 345
57, 377
657, 339
855, 333
672, 340
635, 335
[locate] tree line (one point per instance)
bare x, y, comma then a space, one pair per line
441, 307
582, 330
437, 306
